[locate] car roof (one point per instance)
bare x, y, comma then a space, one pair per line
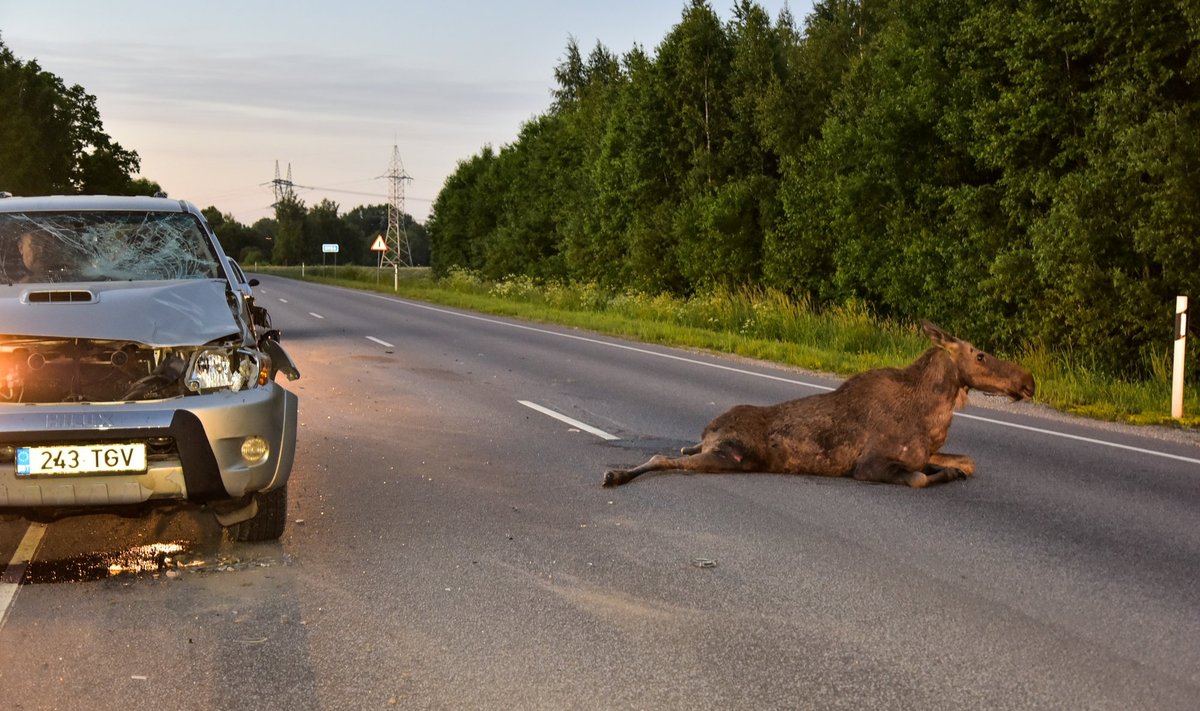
48, 203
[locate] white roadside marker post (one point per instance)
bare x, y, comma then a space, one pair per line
1181, 326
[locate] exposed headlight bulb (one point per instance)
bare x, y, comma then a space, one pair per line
210, 370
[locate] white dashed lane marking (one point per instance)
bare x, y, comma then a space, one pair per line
570, 421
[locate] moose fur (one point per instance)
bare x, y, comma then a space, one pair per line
883, 425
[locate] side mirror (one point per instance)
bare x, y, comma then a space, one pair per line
253, 282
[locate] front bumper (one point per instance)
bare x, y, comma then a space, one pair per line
196, 442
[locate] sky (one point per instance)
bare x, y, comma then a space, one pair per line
214, 95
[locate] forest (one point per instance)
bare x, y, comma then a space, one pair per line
1018, 171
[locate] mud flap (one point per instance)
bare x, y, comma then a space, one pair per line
235, 512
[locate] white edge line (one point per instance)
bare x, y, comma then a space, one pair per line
16, 567
610, 344
385, 344
693, 361
1080, 438
572, 422
315, 315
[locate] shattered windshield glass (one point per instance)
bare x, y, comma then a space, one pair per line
72, 246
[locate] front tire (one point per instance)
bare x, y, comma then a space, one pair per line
268, 523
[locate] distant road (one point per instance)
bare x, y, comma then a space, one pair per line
450, 546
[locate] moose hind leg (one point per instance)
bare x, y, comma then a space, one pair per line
711, 461
616, 477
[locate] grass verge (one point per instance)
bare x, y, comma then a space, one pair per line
761, 324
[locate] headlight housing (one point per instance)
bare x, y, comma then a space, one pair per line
213, 369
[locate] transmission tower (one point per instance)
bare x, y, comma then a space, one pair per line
397, 253
283, 188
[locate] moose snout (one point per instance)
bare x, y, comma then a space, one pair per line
1025, 388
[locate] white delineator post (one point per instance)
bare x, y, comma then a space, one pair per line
1181, 326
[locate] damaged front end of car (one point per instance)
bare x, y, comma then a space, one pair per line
139, 383
50, 370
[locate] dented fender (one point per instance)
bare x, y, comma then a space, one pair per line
281, 362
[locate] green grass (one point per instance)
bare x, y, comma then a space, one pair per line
766, 325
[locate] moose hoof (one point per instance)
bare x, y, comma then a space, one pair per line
614, 477
917, 480
953, 473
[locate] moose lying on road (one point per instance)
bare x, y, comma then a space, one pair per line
884, 425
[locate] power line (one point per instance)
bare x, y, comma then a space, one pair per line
348, 192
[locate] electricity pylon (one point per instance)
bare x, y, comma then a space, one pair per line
283, 188
398, 253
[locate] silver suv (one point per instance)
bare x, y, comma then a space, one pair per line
135, 368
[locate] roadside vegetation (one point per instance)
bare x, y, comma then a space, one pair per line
767, 325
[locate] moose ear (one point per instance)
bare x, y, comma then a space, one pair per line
936, 334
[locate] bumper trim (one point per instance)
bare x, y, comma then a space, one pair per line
201, 474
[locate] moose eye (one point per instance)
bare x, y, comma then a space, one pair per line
979, 357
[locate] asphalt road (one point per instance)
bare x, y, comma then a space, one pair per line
450, 546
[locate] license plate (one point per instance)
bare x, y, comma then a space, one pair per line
81, 459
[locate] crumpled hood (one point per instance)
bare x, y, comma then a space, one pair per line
156, 314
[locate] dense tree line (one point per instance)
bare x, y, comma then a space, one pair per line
1015, 170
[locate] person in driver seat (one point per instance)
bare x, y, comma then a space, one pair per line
42, 262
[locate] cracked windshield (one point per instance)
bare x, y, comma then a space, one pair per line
44, 247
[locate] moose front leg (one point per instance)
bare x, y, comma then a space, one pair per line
888, 471
960, 462
947, 467
939, 470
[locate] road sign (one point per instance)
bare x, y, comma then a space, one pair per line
379, 245
329, 248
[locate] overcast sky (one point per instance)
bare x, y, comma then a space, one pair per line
211, 94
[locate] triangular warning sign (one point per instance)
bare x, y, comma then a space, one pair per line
379, 245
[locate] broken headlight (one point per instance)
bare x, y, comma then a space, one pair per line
212, 369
